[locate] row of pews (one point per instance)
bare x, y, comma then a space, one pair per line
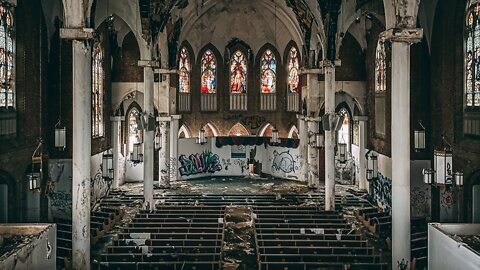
379, 223
306, 237
101, 221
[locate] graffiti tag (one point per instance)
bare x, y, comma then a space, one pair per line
206, 162
283, 161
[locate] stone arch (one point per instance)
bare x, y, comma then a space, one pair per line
293, 132
265, 130
238, 130
184, 132
211, 130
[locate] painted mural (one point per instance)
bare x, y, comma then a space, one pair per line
382, 192
283, 162
60, 188
205, 162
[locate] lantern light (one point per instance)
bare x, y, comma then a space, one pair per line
320, 140
458, 178
428, 175
60, 136
201, 137
158, 139
275, 137
442, 165
372, 167
419, 138
107, 166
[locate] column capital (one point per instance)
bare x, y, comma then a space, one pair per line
117, 118
407, 35
149, 63
328, 63
304, 70
176, 116
164, 118
360, 118
301, 116
312, 119
166, 71
77, 33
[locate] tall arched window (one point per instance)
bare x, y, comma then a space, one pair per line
238, 73
134, 134
184, 67
472, 57
269, 72
293, 66
7, 57
209, 73
380, 68
98, 90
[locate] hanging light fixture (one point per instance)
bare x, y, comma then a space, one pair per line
35, 176
419, 137
372, 166
201, 137
342, 151
60, 136
319, 140
158, 139
428, 175
107, 166
275, 137
137, 154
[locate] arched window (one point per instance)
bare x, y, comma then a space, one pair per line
269, 72
380, 68
472, 57
293, 66
238, 130
134, 134
98, 90
184, 69
209, 73
343, 135
7, 57
238, 73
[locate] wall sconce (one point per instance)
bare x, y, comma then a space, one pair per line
442, 172
60, 136
320, 140
201, 137
275, 137
107, 166
137, 154
158, 139
419, 137
372, 166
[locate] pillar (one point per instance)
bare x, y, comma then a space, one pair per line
401, 41
329, 69
82, 140
164, 152
148, 133
313, 177
303, 136
174, 127
116, 129
362, 161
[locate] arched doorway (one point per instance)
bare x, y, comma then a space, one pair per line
7, 198
344, 134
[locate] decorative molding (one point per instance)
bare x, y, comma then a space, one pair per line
408, 35
149, 63
78, 33
166, 71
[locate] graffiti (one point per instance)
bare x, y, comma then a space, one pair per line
447, 200
61, 201
420, 201
206, 162
100, 186
382, 192
239, 151
226, 162
253, 122
173, 168
242, 164
283, 161
402, 265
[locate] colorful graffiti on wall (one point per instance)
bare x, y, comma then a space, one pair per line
206, 162
382, 192
283, 161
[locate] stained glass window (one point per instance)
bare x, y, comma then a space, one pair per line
98, 90
134, 134
293, 66
380, 68
238, 73
472, 58
184, 68
209, 73
7, 56
269, 72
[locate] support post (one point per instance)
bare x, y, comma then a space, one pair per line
174, 127
401, 41
362, 162
329, 69
82, 140
303, 134
313, 176
164, 152
116, 128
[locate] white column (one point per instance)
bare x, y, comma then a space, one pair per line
303, 135
116, 128
148, 137
82, 141
174, 127
313, 177
362, 162
330, 137
164, 152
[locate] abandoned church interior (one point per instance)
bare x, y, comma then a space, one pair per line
240, 134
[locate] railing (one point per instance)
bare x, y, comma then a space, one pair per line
183, 102
238, 102
268, 102
208, 102
293, 102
